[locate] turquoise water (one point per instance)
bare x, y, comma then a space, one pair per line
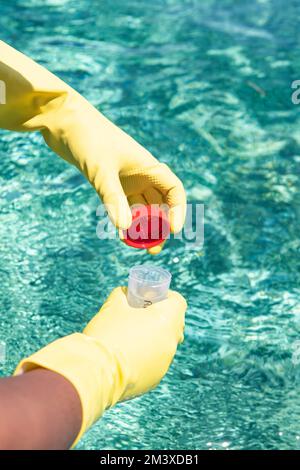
207, 88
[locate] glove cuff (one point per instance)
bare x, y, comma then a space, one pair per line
89, 366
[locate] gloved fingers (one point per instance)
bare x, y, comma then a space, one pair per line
136, 199
174, 195
172, 310
153, 196
118, 296
167, 316
177, 215
117, 299
164, 181
175, 303
115, 200
155, 250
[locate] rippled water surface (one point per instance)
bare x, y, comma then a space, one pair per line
206, 86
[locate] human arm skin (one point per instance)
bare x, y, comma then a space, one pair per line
39, 410
121, 170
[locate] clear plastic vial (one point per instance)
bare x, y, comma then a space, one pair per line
147, 284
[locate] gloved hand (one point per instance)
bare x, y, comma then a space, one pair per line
123, 352
119, 168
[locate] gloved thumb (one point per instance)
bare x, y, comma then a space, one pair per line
112, 194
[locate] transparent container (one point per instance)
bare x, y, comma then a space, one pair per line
147, 284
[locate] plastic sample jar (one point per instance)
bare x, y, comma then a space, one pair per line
147, 284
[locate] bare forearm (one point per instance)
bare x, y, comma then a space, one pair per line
39, 410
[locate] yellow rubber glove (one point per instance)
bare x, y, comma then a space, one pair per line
119, 168
123, 352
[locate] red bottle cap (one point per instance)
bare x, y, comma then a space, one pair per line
150, 227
